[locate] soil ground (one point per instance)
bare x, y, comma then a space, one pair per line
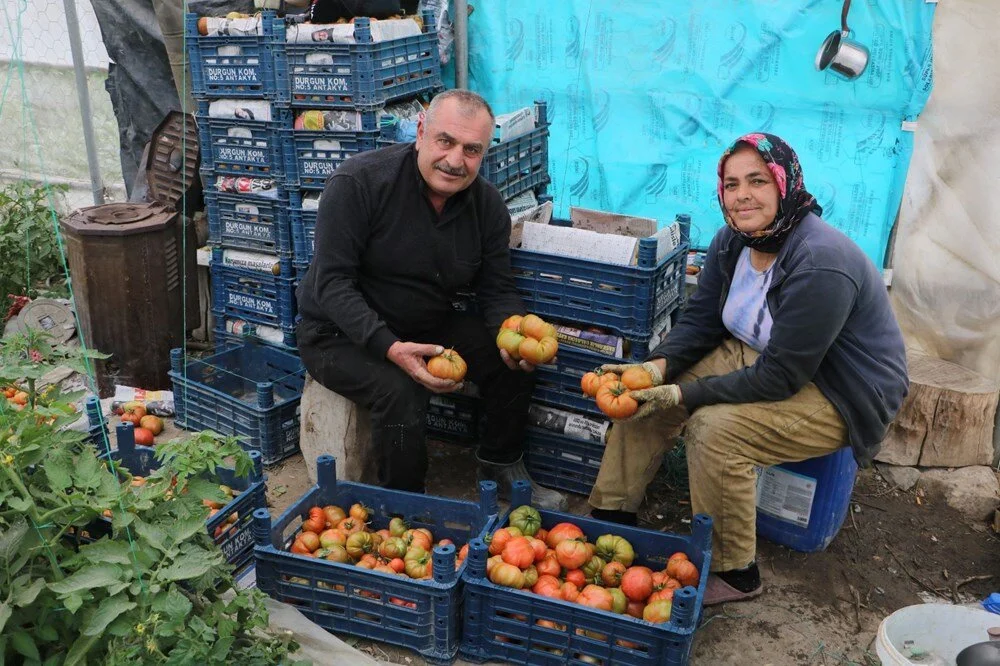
895, 549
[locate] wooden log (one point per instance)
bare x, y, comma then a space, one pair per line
947, 420
330, 423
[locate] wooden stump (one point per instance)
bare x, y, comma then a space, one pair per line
947, 420
332, 424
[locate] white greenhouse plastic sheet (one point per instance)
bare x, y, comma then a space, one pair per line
644, 96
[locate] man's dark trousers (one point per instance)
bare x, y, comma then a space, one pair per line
398, 404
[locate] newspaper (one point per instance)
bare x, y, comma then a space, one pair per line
572, 425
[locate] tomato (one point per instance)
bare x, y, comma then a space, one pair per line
418, 538
592, 568
576, 577
309, 539
572, 554
595, 597
569, 592
338, 554
615, 401
518, 551
333, 515
512, 322
397, 564
383, 535
359, 512
538, 352
539, 547
360, 544
533, 326
397, 526
299, 548
686, 573
154, 424
131, 417
510, 341
530, 577
637, 583
590, 383
418, 563
384, 568
134, 407
611, 574
392, 547
619, 602
143, 437
658, 611
526, 519
660, 595
611, 548
492, 562
637, 378
547, 586
507, 575
500, 538
561, 532
314, 525
20, 398
463, 553
332, 537
448, 365
367, 562
635, 608
542, 534
10, 391
549, 565
350, 525
400, 602
660, 579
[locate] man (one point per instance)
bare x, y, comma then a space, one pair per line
399, 231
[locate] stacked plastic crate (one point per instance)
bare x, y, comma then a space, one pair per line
606, 313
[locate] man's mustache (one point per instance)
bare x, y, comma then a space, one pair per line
451, 171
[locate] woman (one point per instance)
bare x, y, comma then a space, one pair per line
788, 350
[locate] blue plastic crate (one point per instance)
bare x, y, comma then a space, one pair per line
238, 66
303, 231
244, 221
235, 541
251, 391
522, 163
627, 299
500, 623
790, 519
351, 600
311, 156
563, 462
364, 74
253, 296
455, 418
243, 147
97, 430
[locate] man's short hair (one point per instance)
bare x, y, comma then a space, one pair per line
469, 103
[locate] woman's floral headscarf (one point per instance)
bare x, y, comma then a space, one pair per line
794, 203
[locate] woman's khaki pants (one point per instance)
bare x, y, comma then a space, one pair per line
723, 444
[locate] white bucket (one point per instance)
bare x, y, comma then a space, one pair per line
931, 634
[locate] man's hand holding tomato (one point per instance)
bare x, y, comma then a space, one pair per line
409, 356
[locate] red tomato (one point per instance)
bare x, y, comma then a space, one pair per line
637, 583
615, 401
143, 436
561, 532
572, 554
518, 551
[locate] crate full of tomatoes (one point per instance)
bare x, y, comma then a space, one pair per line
230, 520
371, 562
554, 588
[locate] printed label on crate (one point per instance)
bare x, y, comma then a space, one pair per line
252, 261
261, 232
667, 295
244, 155
291, 429
243, 538
447, 424
317, 168
786, 495
321, 84
261, 305
231, 74
572, 425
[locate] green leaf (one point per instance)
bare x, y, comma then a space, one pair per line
104, 614
73, 602
121, 626
155, 536
87, 473
173, 604
59, 469
87, 579
107, 551
190, 565
10, 540
5, 613
47, 633
19, 504
25, 645
22, 596
221, 649
185, 529
78, 653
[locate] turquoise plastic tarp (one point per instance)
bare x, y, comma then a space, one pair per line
644, 96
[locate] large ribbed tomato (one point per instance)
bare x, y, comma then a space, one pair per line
448, 365
615, 401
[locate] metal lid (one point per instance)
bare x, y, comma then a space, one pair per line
119, 219
172, 164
